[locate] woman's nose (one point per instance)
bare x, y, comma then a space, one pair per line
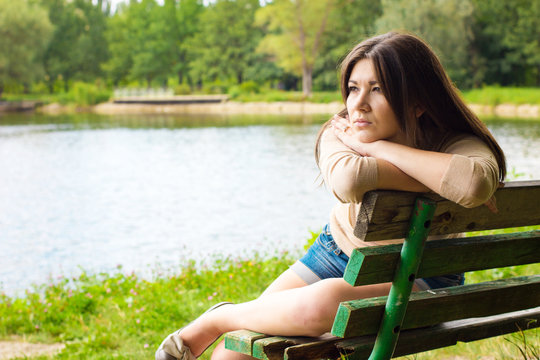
361, 103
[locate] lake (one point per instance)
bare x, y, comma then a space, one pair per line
89, 193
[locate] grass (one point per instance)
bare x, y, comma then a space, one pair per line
494, 95
124, 316
289, 96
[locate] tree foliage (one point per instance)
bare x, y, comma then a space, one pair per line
506, 46
224, 47
295, 30
25, 31
78, 46
228, 42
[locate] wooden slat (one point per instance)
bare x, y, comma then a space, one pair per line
446, 334
376, 264
322, 349
426, 308
410, 341
273, 348
242, 340
385, 214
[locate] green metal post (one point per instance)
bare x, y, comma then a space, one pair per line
398, 298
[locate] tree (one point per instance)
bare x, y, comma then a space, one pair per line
118, 35
25, 30
294, 36
146, 41
445, 24
188, 20
78, 46
224, 48
506, 45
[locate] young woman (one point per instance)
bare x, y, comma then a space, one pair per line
404, 128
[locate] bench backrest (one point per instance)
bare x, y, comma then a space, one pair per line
385, 215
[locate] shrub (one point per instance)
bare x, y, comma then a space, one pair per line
234, 91
182, 89
89, 94
249, 87
216, 87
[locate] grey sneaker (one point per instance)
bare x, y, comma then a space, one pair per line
173, 348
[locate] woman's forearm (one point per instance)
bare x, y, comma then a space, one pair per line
425, 167
390, 177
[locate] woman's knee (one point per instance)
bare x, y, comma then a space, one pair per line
318, 306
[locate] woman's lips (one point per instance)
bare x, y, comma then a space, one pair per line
361, 123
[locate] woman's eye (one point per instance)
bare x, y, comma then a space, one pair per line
376, 89
352, 88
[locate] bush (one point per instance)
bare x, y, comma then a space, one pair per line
234, 91
249, 87
182, 89
216, 87
89, 94
39, 88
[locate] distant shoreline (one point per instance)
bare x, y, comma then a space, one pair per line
256, 108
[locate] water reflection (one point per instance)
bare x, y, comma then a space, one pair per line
96, 191
94, 121
520, 140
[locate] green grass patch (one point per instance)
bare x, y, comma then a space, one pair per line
122, 315
494, 95
289, 96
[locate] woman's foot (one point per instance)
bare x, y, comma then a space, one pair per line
192, 340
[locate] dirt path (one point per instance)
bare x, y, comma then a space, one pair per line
13, 349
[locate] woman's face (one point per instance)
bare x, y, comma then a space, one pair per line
370, 115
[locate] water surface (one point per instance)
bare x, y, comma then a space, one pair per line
89, 192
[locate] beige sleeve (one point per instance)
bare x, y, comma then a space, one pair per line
347, 174
472, 175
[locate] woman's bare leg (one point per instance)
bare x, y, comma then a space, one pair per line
287, 280
307, 311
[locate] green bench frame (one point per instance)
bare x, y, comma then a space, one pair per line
406, 322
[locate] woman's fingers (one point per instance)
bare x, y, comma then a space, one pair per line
340, 123
492, 204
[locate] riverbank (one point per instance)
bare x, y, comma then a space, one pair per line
525, 111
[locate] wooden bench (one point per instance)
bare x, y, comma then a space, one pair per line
425, 320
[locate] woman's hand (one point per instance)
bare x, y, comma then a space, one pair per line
425, 167
389, 176
492, 202
343, 131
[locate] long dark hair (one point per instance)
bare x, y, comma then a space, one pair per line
412, 77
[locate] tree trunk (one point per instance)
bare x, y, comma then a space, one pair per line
180, 77
239, 77
307, 80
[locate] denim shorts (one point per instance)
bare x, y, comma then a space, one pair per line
324, 259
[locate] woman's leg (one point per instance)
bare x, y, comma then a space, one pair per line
287, 280
303, 311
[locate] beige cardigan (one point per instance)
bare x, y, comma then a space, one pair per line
470, 179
